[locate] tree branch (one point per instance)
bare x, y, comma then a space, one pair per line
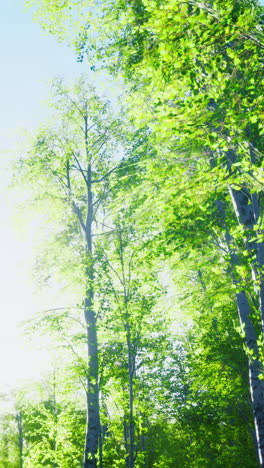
80, 168
106, 175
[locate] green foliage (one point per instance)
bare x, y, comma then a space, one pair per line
193, 73
53, 435
9, 453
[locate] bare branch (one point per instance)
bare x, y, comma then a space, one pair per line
122, 261
98, 139
77, 211
68, 175
105, 225
106, 175
113, 269
130, 263
80, 168
79, 360
49, 311
95, 153
113, 288
71, 100
103, 233
97, 203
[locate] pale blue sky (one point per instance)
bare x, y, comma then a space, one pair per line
29, 60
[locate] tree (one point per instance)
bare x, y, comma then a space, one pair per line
72, 162
131, 295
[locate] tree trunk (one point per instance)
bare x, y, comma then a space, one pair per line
93, 417
247, 215
131, 401
93, 421
247, 209
255, 367
255, 370
126, 439
19, 420
55, 418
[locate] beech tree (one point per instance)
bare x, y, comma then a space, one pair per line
72, 160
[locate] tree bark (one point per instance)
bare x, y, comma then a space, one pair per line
19, 420
55, 418
93, 420
126, 439
247, 209
256, 384
131, 400
93, 417
246, 214
255, 370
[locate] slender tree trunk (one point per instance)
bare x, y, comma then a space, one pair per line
256, 384
55, 418
246, 215
130, 448
143, 439
93, 418
19, 420
143, 448
92, 428
255, 370
126, 439
131, 401
101, 436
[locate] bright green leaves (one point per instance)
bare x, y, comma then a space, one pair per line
195, 78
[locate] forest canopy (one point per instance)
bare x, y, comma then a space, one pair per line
159, 203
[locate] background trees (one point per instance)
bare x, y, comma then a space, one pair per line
161, 226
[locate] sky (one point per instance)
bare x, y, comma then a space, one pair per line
29, 60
